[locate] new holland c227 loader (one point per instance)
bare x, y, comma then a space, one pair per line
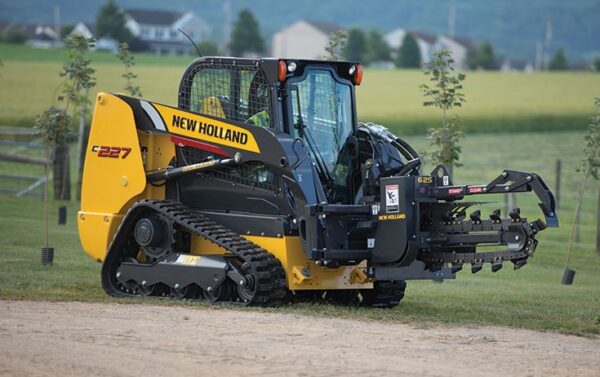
261, 186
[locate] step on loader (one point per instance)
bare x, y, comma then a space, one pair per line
261, 187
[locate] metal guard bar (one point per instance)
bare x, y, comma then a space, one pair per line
508, 181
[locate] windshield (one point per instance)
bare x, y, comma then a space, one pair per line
325, 106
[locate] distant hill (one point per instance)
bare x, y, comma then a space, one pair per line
512, 26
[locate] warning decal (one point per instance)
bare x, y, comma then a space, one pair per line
188, 260
392, 200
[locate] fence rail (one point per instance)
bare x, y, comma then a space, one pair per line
22, 161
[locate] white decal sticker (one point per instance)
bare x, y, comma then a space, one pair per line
392, 199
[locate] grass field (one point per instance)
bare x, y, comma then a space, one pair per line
529, 298
495, 101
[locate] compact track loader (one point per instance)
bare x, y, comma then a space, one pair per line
261, 187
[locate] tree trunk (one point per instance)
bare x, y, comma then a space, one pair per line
577, 209
81, 158
598, 225
450, 167
82, 145
46, 172
61, 173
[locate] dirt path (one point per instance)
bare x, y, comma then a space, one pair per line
82, 339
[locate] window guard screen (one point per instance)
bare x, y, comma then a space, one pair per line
230, 92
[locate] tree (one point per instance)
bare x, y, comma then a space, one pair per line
65, 30
596, 65
15, 35
377, 48
356, 46
590, 166
79, 79
472, 59
409, 55
208, 48
110, 23
128, 61
246, 37
337, 43
445, 94
487, 60
558, 61
482, 57
54, 126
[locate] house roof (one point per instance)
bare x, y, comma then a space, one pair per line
34, 31
464, 41
394, 37
423, 36
90, 27
325, 27
154, 17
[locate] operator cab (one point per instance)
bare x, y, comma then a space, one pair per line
308, 100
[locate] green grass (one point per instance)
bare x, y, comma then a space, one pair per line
496, 102
22, 53
530, 298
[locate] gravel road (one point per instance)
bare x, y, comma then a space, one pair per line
88, 339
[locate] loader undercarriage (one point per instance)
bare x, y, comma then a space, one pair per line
259, 277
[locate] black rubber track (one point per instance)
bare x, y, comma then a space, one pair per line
269, 275
385, 294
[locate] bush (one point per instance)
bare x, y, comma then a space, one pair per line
208, 48
137, 45
15, 35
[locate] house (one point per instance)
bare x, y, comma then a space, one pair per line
88, 30
36, 35
425, 41
84, 29
515, 65
42, 36
303, 39
158, 29
458, 47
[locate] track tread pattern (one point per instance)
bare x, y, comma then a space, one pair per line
271, 284
385, 294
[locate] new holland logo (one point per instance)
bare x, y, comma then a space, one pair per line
196, 126
209, 129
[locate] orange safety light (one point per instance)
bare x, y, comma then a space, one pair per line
282, 72
358, 74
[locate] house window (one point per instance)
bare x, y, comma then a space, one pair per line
145, 32
173, 34
159, 33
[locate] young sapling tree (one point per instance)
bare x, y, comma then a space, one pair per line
129, 62
445, 93
80, 79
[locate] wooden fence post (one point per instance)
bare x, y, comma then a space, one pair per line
557, 189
